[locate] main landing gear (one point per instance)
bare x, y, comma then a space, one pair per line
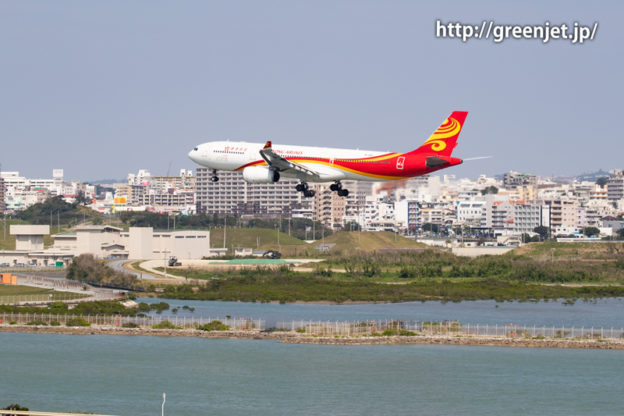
337, 187
303, 187
214, 177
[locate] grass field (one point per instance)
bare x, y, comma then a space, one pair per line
255, 238
351, 241
570, 251
17, 290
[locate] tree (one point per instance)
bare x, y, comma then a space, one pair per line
602, 181
352, 226
81, 199
434, 228
489, 190
14, 406
621, 233
526, 238
591, 231
542, 231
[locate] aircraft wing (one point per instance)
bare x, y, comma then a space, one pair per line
281, 164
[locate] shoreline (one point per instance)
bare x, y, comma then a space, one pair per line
297, 338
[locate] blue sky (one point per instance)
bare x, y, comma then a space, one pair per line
105, 88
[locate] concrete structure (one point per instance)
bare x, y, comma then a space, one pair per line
136, 243
407, 213
29, 237
615, 186
562, 214
511, 180
472, 212
29, 248
103, 242
233, 195
1, 194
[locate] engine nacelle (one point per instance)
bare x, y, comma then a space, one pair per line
260, 174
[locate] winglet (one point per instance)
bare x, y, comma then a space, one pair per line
267, 145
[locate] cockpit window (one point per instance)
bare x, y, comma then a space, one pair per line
195, 149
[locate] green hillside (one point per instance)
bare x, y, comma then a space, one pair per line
8, 243
255, 238
346, 241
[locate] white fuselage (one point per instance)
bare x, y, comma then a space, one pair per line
228, 155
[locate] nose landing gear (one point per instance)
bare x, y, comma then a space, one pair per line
214, 178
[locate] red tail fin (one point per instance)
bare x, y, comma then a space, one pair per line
444, 139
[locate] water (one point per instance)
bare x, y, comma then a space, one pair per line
600, 313
127, 375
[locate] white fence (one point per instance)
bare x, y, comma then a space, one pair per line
318, 328
179, 322
39, 298
451, 328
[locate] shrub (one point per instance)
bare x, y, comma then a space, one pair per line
214, 326
129, 325
55, 323
78, 322
159, 307
166, 324
37, 322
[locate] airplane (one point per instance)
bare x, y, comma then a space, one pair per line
268, 163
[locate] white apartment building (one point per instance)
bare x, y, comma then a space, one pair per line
407, 214
615, 186
233, 195
472, 212
512, 217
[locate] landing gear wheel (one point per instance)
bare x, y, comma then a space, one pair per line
335, 186
343, 192
309, 193
302, 187
214, 179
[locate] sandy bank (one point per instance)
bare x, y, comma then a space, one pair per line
297, 338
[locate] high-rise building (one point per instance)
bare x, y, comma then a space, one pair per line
615, 186
233, 195
1, 194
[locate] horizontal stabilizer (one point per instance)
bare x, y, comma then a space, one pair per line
434, 162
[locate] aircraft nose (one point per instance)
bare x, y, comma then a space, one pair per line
193, 155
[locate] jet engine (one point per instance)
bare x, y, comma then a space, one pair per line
260, 174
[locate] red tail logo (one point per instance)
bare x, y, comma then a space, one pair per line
444, 139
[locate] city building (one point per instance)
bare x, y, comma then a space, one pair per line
140, 243
511, 180
562, 215
615, 186
2, 203
233, 195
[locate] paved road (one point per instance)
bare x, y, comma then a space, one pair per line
65, 285
117, 265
